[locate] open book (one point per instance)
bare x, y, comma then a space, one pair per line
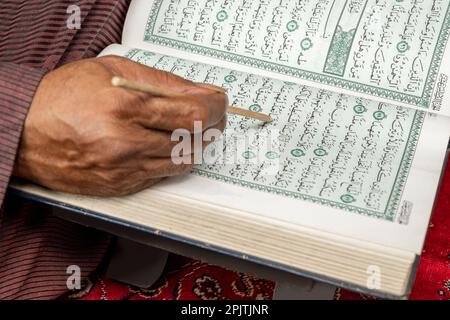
359, 94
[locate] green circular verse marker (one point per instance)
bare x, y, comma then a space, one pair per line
255, 108
359, 109
222, 16
292, 25
320, 152
306, 44
230, 78
248, 155
403, 46
297, 153
346, 198
379, 115
272, 155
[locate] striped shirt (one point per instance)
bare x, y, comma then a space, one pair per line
36, 248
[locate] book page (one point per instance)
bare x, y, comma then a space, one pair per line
392, 51
333, 162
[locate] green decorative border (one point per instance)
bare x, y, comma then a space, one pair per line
392, 205
423, 101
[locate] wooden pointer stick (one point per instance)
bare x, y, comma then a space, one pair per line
163, 92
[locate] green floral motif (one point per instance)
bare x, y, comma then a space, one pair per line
339, 51
297, 153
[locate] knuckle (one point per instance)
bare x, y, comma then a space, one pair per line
179, 169
223, 123
113, 151
186, 168
222, 102
198, 113
112, 59
112, 181
172, 79
116, 178
115, 64
166, 77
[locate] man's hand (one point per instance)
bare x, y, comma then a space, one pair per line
84, 136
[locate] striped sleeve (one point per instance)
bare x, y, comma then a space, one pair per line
18, 84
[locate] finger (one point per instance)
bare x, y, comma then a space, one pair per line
144, 182
166, 167
138, 72
212, 87
200, 102
193, 112
161, 144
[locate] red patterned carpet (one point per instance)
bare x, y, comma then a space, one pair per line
187, 279
184, 279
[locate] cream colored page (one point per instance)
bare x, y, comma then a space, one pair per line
345, 165
391, 51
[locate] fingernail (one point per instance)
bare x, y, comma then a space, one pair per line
212, 87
